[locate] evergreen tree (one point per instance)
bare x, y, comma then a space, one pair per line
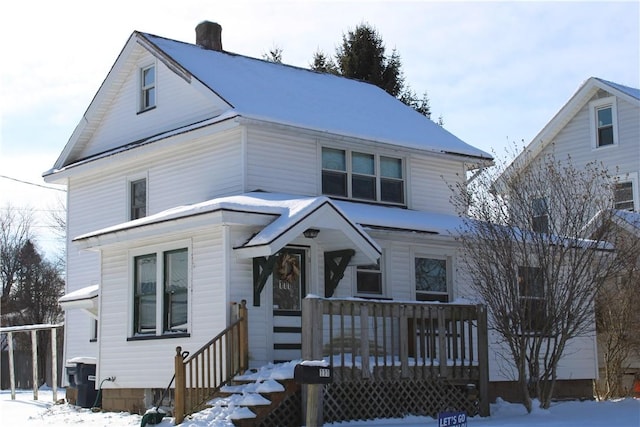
274, 55
362, 55
323, 64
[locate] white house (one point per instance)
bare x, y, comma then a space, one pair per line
192, 166
599, 124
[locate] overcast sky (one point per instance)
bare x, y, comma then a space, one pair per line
496, 71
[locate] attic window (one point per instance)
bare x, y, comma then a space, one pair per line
147, 88
603, 118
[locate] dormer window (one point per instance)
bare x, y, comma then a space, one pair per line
603, 117
147, 88
362, 176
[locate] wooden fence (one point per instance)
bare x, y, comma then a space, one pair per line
33, 331
197, 376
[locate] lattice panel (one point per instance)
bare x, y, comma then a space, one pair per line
288, 413
369, 399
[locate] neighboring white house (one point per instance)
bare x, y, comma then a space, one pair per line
191, 162
599, 124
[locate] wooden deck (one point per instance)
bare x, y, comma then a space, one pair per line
382, 349
389, 359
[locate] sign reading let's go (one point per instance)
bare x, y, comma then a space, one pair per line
452, 419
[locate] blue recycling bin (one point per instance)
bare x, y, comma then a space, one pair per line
85, 380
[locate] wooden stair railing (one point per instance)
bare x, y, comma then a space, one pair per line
200, 375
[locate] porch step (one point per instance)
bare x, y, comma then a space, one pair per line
251, 400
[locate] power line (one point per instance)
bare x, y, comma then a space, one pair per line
32, 183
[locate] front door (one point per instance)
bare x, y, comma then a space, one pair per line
289, 280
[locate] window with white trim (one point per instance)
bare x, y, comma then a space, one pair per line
532, 298
623, 196
369, 280
147, 88
160, 293
540, 215
362, 176
603, 119
432, 278
137, 198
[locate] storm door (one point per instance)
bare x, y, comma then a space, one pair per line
289, 283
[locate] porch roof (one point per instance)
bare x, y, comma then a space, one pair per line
284, 217
85, 298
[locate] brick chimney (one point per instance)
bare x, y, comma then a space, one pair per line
209, 35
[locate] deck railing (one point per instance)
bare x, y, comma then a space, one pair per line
199, 375
408, 339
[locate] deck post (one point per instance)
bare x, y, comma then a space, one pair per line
312, 333
483, 360
442, 342
364, 340
244, 336
180, 390
12, 374
54, 363
34, 358
404, 341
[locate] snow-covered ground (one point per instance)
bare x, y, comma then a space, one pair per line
25, 412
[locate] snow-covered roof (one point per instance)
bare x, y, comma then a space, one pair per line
85, 293
307, 99
284, 217
85, 299
631, 91
290, 208
376, 216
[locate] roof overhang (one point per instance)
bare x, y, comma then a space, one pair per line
335, 231
85, 299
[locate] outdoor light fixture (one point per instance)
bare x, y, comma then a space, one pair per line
311, 233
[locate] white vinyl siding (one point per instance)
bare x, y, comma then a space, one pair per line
429, 183
178, 103
280, 162
119, 357
574, 140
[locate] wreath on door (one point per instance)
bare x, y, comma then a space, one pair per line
288, 268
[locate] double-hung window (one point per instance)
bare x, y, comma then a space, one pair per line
369, 280
160, 300
362, 176
147, 88
432, 279
532, 298
603, 118
138, 198
540, 215
623, 196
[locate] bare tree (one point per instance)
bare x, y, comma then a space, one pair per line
617, 316
537, 253
15, 232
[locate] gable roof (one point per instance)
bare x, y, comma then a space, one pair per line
579, 99
292, 96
